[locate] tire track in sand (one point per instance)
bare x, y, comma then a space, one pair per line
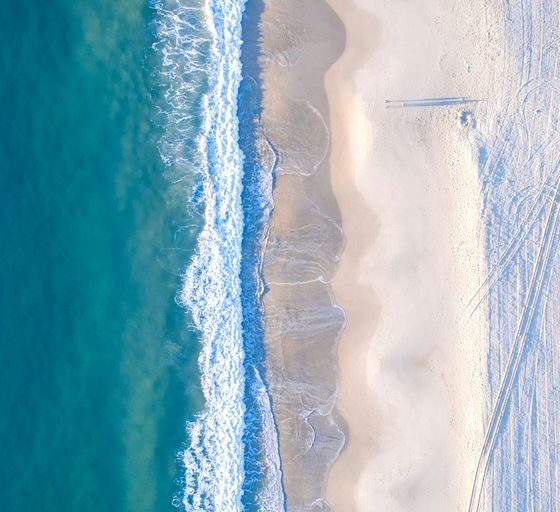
544, 258
525, 226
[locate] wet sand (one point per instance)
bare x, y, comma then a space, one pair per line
299, 41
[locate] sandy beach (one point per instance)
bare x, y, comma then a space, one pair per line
411, 363
410, 251
397, 247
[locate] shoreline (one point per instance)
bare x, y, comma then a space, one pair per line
298, 43
411, 366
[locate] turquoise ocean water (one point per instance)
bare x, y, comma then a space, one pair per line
133, 202
98, 369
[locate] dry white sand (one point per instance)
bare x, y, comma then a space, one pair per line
411, 369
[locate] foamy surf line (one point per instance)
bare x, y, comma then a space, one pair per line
200, 47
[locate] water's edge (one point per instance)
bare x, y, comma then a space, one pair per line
246, 123
211, 115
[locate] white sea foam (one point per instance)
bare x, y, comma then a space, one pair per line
202, 41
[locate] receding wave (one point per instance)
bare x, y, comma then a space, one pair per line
199, 46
